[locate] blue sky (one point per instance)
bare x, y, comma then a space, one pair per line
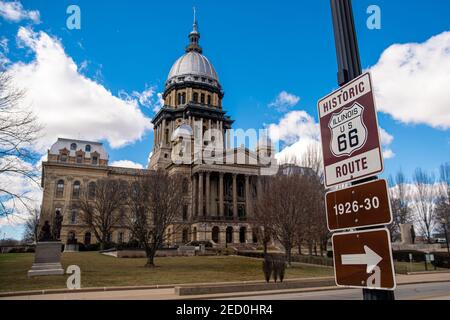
259, 49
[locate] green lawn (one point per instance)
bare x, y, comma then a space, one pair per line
98, 270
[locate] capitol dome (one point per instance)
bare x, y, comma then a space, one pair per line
193, 66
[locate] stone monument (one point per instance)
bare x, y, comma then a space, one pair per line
47, 258
405, 230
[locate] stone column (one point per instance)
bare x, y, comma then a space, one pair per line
221, 195
208, 192
200, 194
194, 196
247, 196
235, 207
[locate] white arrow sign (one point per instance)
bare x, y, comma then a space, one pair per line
370, 258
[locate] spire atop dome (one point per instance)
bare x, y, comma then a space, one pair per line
194, 37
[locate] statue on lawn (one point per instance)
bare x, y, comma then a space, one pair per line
45, 234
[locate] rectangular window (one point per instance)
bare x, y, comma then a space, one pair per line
79, 159
120, 237
94, 160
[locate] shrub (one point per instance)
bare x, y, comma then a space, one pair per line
403, 255
89, 247
441, 259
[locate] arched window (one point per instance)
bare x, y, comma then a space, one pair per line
202, 98
185, 235
242, 234
195, 98
209, 99
76, 189
91, 190
73, 146
87, 148
60, 188
179, 99
183, 98
229, 235
215, 234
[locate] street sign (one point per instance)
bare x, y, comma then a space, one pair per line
363, 205
349, 130
363, 259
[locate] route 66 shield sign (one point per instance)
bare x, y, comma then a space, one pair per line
348, 131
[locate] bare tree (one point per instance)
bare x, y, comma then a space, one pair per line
100, 206
443, 201
155, 201
286, 209
313, 231
312, 159
31, 232
423, 201
18, 131
263, 213
399, 203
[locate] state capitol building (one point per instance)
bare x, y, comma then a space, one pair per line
219, 196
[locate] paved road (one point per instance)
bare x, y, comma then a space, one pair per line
427, 291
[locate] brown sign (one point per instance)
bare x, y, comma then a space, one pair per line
364, 205
363, 259
349, 131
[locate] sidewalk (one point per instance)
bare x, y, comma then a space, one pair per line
169, 293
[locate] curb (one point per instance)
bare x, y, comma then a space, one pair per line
197, 297
149, 287
287, 291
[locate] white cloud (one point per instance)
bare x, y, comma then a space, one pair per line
127, 164
298, 131
147, 98
284, 101
386, 140
4, 60
29, 190
68, 103
14, 11
412, 80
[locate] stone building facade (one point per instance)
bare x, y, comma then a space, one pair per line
191, 138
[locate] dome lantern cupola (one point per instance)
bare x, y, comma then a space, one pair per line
194, 38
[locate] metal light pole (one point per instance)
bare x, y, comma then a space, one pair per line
444, 225
349, 68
